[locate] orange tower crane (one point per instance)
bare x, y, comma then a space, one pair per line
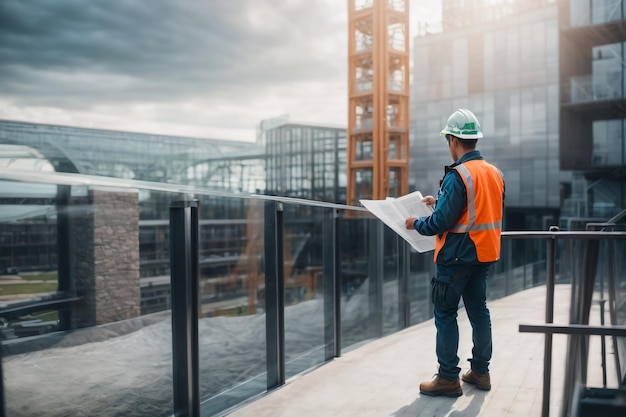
378, 105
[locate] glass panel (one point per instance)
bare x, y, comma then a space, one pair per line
363, 114
365, 148
391, 279
607, 138
83, 252
395, 176
606, 11
362, 4
363, 74
422, 269
105, 252
354, 273
606, 81
521, 266
614, 249
580, 12
364, 184
396, 35
232, 331
304, 291
362, 35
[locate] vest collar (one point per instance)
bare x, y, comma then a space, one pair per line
470, 156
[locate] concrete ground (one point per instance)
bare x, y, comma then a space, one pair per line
382, 378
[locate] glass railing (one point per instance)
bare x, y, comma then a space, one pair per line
283, 286
587, 88
595, 12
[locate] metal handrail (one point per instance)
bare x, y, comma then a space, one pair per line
549, 329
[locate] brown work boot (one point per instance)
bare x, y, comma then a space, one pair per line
482, 381
442, 386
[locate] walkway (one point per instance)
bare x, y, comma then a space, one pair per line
382, 378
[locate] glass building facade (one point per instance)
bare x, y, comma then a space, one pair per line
213, 163
506, 71
306, 161
593, 106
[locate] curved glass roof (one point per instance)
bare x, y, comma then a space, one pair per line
128, 155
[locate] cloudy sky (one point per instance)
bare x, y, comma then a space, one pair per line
203, 68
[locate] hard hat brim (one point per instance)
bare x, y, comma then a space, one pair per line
462, 135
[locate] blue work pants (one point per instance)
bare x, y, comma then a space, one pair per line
450, 285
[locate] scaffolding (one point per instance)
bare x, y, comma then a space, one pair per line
378, 113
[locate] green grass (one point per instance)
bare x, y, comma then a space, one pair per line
47, 316
34, 288
43, 276
234, 311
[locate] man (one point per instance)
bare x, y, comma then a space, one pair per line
467, 222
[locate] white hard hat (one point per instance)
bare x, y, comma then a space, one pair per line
464, 125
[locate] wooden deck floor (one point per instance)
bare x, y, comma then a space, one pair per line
382, 377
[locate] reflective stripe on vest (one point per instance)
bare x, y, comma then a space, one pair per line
486, 235
471, 207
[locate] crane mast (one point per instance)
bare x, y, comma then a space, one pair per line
378, 104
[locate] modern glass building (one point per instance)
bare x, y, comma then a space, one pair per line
593, 107
503, 64
306, 161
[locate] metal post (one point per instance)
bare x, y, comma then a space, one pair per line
603, 343
508, 250
332, 287
611, 259
375, 276
3, 411
274, 294
184, 295
547, 351
404, 304
64, 270
507, 276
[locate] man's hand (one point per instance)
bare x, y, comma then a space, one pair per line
409, 223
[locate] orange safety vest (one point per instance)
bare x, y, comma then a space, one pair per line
482, 216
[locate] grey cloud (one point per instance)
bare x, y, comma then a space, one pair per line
72, 52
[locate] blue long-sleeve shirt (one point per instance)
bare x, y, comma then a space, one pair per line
459, 249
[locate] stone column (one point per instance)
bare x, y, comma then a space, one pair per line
105, 256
